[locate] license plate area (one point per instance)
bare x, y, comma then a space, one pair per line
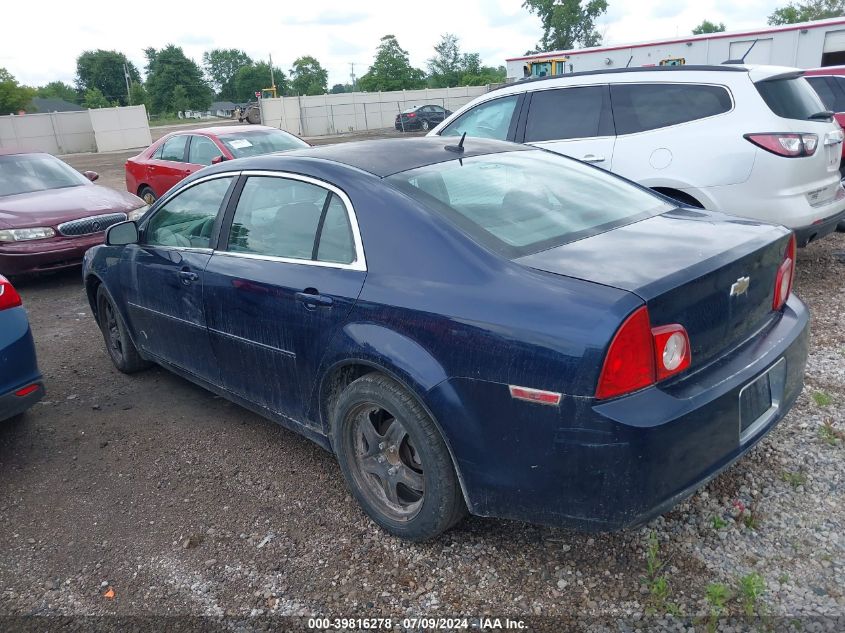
760, 400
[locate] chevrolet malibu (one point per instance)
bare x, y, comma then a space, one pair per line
50, 214
469, 326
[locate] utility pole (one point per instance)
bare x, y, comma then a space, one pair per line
352, 74
126, 77
272, 77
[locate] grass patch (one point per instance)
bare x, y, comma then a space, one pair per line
830, 434
656, 582
751, 588
794, 479
822, 398
718, 522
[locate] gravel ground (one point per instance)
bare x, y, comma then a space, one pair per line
147, 495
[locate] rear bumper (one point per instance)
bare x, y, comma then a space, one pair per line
806, 234
612, 465
45, 255
12, 405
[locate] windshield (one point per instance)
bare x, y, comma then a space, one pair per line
25, 173
254, 143
523, 202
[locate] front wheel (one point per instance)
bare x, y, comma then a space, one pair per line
119, 345
425, 126
394, 460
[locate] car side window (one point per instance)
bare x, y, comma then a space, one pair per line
283, 217
641, 107
202, 151
824, 89
157, 153
174, 148
581, 112
491, 119
838, 85
187, 219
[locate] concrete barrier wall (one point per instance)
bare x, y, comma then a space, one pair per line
101, 130
356, 111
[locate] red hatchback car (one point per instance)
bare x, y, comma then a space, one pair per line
50, 214
175, 156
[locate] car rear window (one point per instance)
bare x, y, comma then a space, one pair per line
257, 142
518, 203
790, 97
641, 107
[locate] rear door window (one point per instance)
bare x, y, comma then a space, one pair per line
790, 97
825, 90
174, 148
581, 112
491, 119
202, 151
641, 107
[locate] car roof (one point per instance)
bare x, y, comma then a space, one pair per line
217, 130
7, 151
825, 70
384, 157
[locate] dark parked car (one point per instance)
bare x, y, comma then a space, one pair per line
175, 156
420, 117
50, 214
21, 385
487, 326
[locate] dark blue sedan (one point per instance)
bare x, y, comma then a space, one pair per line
21, 385
479, 327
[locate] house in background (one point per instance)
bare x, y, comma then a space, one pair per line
40, 106
224, 109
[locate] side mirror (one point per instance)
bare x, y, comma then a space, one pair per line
218, 159
91, 175
122, 234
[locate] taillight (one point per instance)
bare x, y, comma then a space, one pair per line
411, 115
21, 393
9, 297
640, 355
785, 276
786, 144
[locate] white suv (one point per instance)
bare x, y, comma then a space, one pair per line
753, 141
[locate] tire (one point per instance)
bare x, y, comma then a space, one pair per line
147, 194
406, 482
425, 126
119, 345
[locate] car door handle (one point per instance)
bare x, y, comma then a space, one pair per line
188, 277
313, 299
592, 158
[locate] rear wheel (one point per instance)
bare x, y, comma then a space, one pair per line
147, 194
425, 125
119, 345
394, 460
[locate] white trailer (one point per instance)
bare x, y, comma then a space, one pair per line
804, 45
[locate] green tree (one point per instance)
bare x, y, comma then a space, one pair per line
708, 27
13, 96
807, 11
104, 70
221, 65
447, 66
391, 69
168, 68
254, 78
179, 101
340, 88
58, 90
308, 77
94, 98
138, 95
567, 23
474, 74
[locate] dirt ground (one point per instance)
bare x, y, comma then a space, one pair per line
180, 502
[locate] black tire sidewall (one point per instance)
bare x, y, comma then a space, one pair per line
144, 191
130, 360
438, 509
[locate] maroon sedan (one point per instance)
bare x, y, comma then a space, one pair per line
50, 214
178, 155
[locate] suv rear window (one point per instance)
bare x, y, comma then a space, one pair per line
581, 112
518, 203
790, 97
641, 107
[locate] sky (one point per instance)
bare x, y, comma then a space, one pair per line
337, 32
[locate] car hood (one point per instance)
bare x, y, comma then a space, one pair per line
54, 206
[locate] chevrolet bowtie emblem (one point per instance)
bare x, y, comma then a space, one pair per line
740, 286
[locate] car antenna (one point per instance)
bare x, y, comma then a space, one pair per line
741, 60
629, 61
459, 147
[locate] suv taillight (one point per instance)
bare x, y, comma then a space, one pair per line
9, 297
640, 355
786, 144
785, 276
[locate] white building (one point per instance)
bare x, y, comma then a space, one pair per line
805, 45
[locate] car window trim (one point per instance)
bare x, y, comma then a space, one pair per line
170, 195
669, 83
184, 149
360, 261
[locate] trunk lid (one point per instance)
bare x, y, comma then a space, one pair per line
684, 264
